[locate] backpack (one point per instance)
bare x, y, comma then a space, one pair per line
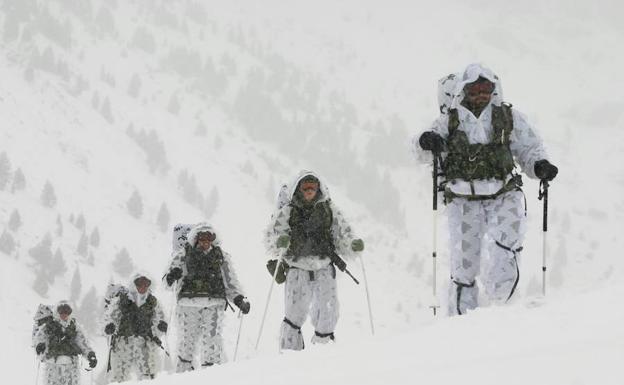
179, 236
446, 91
43, 315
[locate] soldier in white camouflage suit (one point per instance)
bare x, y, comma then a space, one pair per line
59, 343
480, 138
135, 321
206, 282
310, 232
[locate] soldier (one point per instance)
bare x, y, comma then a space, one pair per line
205, 283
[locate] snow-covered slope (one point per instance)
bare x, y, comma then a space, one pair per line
204, 108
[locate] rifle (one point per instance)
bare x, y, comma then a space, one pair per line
342, 265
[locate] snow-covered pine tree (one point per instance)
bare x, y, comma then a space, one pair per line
7, 243
19, 181
15, 221
163, 218
135, 205
5, 170
81, 223
134, 88
58, 265
106, 111
42, 252
41, 284
48, 196
211, 203
87, 311
75, 287
122, 264
59, 226
94, 239
82, 248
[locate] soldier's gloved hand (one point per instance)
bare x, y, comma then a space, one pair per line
283, 241
92, 359
174, 275
430, 141
357, 245
162, 326
109, 329
243, 305
40, 348
545, 170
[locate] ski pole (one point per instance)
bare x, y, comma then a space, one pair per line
370, 311
240, 326
37, 377
158, 343
434, 253
266, 306
543, 195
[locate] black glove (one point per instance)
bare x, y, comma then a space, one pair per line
545, 170
109, 329
240, 302
40, 348
162, 326
92, 359
430, 141
174, 275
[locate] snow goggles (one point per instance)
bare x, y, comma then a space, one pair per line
479, 89
64, 309
309, 186
142, 281
206, 236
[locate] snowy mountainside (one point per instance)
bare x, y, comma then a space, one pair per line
204, 108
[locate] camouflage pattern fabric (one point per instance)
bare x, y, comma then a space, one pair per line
133, 354
63, 371
502, 223
199, 328
317, 297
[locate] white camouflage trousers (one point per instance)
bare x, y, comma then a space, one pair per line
500, 223
203, 325
133, 354
303, 290
63, 371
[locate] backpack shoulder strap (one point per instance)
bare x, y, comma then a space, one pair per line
502, 122
453, 121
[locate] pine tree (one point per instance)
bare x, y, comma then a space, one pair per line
94, 239
135, 205
106, 111
83, 246
59, 226
75, 286
163, 218
134, 88
42, 252
48, 196
122, 264
19, 181
5, 170
211, 203
87, 311
41, 284
7, 243
81, 223
15, 221
58, 266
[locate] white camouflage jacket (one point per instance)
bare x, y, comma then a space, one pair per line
525, 144
230, 280
342, 233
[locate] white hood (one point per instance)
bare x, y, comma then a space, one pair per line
57, 316
292, 187
472, 73
201, 227
134, 295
